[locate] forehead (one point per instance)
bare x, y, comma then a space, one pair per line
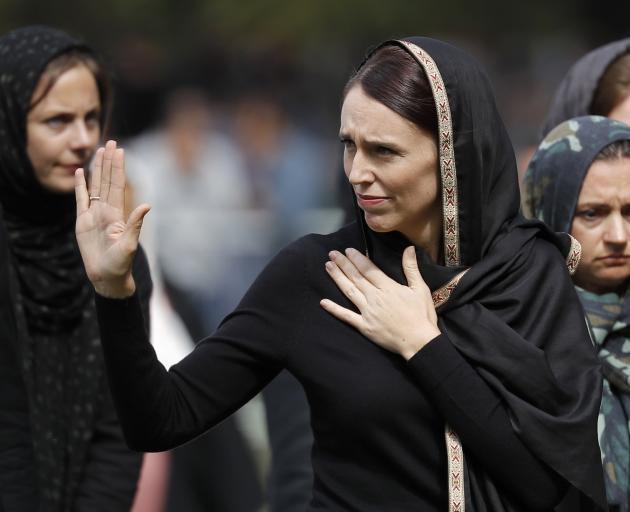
362, 115
75, 87
607, 180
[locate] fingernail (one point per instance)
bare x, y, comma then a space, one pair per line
332, 255
328, 265
350, 250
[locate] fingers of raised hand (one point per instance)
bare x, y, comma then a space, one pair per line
106, 171
344, 282
95, 175
80, 192
117, 182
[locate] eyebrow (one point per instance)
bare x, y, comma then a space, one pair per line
372, 142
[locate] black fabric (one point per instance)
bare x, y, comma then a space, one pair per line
574, 95
290, 479
18, 488
52, 300
379, 440
514, 322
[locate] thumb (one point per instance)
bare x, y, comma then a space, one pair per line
410, 268
134, 223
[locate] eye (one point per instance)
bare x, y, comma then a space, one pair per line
93, 118
58, 121
348, 144
384, 151
589, 213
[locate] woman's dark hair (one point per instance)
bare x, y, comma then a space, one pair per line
618, 149
613, 87
394, 78
68, 60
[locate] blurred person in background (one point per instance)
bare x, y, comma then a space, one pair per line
54, 100
597, 84
579, 182
193, 176
288, 167
423, 382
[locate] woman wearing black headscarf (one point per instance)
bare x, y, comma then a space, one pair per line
598, 83
53, 104
447, 387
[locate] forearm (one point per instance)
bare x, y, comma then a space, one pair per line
480, 419
160, 409
142, 389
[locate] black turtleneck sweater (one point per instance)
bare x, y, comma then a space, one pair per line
378, 420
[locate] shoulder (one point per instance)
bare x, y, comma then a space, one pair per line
297, 261
315, 246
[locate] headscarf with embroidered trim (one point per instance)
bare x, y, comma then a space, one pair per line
514, 313
553, 183
57, 331
575, 94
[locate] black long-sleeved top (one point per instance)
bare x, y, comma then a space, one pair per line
377, 419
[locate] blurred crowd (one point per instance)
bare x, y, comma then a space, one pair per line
250, 179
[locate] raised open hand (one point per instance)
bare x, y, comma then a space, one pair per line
107, 242
401, 319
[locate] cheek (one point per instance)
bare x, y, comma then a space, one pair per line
589, 239
40, 150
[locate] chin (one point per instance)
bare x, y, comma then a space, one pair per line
60, 186
377, 225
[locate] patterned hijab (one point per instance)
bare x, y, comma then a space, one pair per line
57, 331
552, 187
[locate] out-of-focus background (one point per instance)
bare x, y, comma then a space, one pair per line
302, 51
229, 111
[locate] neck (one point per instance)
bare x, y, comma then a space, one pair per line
428, 236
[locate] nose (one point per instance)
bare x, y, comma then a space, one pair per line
83, 136
617, 230
359, 170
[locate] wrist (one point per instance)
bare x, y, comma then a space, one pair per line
116, 288
411, 349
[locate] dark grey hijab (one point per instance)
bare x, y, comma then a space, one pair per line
574, 95
57, 334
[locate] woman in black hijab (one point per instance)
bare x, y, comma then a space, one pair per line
598, 83
53, 104
447, 387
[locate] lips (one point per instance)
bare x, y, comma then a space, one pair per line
369, 200
615, 259
71, 167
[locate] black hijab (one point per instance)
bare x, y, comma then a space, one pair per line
574, 95
504, 295
57, 331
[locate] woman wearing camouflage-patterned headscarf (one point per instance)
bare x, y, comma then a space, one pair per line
579, 182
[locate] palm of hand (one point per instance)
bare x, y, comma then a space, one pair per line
102, 227
107, 243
